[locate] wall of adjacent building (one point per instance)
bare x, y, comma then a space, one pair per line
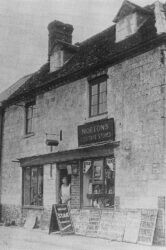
136, 93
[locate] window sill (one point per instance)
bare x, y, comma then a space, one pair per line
96, 208
28, 135
105, 113
91, 196
33, 207
97, 117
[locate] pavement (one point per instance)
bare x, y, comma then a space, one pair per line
17, 238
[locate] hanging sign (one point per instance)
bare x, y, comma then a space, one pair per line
110, 163
86, 166
61, 220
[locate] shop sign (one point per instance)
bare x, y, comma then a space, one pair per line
86, 166
111, 163
61, 220
95, 132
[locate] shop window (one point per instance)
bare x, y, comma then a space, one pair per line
98, 97
29, 110
33, 186
98, 182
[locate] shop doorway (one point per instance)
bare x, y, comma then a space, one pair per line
64, 172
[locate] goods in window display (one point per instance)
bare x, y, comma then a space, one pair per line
33, 186
99, 183
86, 166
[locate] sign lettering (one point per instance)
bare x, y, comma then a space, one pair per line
94, 132
60, 219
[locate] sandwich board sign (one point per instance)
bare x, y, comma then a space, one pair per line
61, 220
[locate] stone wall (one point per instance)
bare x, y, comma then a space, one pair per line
61, 109
135, 97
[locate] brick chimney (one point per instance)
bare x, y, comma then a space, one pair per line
60, 34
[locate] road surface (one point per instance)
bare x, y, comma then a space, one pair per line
16, 238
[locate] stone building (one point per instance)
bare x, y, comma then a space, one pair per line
95, 112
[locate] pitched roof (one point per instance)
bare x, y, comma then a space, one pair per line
96, 52
129, 8
13, 88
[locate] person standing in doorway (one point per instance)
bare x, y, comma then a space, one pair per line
65, 191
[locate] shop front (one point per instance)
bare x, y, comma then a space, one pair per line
89, 170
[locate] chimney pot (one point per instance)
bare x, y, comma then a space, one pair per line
59, 33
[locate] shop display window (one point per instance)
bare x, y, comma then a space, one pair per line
99, 182
33, 186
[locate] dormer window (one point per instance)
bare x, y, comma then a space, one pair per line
126, 27
129, 19
56, 60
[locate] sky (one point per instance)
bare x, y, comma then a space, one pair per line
24, 34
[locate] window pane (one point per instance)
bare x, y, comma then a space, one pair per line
98, 170
29, 112
94, 89
29, 126
98, 183
98, 98
26, 191
34, 188
102, 107
40, 186
102, 97
103, 87
29, 117
93, 110
94, 100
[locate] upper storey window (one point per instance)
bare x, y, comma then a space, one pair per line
126, 27
98, 97
129, 19
29, 117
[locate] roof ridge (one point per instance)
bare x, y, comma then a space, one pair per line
97, 35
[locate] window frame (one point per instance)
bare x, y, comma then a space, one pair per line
97, 81
29, 104
29, 189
